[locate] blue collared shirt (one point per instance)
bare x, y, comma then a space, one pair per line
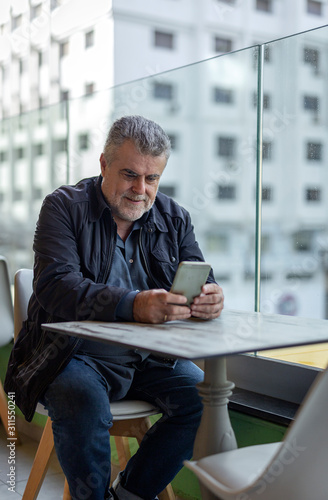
127, 272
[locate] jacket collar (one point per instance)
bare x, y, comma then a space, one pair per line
98, 205
155, 220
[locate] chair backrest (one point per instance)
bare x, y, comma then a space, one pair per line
22, 294
6, 305
299, 469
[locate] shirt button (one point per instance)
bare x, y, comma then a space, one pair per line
131, 261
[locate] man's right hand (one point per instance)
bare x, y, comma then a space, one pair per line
159, 306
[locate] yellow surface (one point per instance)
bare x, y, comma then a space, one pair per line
313, 355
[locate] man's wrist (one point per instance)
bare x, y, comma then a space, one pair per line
124, 309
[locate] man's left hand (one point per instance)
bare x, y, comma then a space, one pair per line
209, 304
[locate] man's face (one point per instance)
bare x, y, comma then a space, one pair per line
131, 181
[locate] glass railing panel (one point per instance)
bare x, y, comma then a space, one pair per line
294, 264
208, 111
89, 120
33, 162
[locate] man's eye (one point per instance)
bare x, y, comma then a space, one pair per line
152, 179
130, 176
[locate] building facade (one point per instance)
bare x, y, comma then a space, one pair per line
63, 71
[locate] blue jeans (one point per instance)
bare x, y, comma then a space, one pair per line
78, 402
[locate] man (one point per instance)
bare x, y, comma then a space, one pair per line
108, 249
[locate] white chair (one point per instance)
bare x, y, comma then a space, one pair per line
131, 418
295, 469
6, 332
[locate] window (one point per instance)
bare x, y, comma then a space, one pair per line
16, 21
60, 145
168, 190
311, 103
266, 194
314, 7
216, 242
89, 88
64, 95
311, 57
22, 66
264, 5
227, 192
63, 49
42, 102
313, 194
89, 39
163, 91
314, 151
17, 195
222, 95
37, 193
83, 141
267, 54
267, 150
35, 11
3, 156
266, 243
174, 141
53, 4
302, 241
266, 100
41, 58
226, 147
39, 149
164, 40
222, 44
19, 153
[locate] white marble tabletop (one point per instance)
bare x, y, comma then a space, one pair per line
233, 333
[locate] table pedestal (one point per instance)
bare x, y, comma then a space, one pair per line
215, 433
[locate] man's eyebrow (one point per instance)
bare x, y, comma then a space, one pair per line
129, 171
153, 175
132, 172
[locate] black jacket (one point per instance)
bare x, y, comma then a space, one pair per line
74, 246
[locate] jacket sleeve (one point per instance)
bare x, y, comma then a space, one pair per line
61, 288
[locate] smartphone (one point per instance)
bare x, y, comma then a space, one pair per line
189, 279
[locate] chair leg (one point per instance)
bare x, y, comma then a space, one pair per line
40, 464
123, 450
121, 430
66, 495
135, 428
4, 415
167, 494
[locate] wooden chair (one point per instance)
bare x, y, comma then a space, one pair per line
130, 418
6, 335
295, 469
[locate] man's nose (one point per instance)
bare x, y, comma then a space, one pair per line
139, 185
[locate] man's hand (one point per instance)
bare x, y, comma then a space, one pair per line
209, 304
159, 306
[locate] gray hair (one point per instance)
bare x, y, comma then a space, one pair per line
148, 137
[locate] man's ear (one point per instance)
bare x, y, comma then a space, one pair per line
103, 164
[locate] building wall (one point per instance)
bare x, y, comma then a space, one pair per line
68, 54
